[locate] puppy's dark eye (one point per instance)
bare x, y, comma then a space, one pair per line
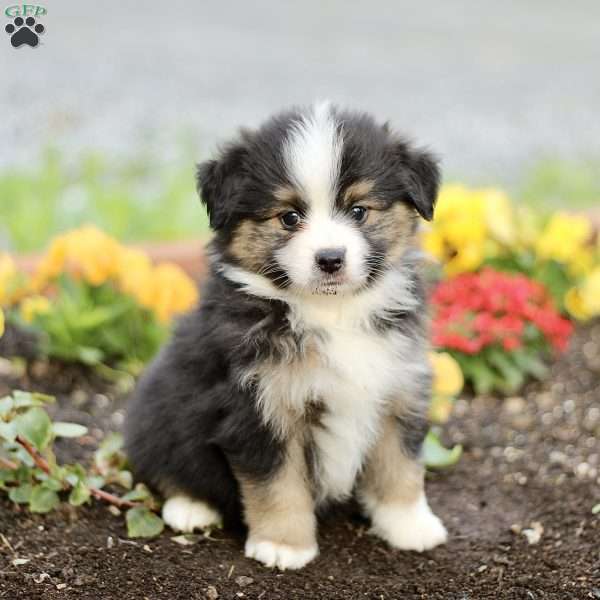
290, 220
359, 213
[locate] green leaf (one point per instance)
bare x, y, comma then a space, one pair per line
124, 479
8, 431
89, 356
35, 426
74, 474
512, 376
45, 398
95, 481
596, 509
79, 494
7, 404
42, 499
51, 483
8, 476
28, 399
531, 364
21, 494
109, 453
62, 429
138, 494
436, 456
482, 376
111, 444
142, 522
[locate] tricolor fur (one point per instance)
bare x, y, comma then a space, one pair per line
302, 377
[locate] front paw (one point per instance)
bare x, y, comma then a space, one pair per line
409, 527
282, 556
184, 514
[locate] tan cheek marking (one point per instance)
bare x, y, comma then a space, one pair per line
395, 227
253, 242
281, 509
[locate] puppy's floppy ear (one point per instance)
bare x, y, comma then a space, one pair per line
421, 177
425, 182
219, 182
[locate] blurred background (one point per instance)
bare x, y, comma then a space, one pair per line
104, 120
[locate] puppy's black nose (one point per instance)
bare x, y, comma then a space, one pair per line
330, 260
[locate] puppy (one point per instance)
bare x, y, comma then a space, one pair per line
302, 377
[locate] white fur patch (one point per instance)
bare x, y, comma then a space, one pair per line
181, 513
408, 527
313, 154
280, 555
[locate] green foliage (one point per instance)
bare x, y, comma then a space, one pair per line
435, 455
97, 325
30, 475
142, 522
554, 183
129, 199
493, 369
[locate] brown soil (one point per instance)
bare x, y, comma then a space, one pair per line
534, 458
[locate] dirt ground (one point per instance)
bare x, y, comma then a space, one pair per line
530, 470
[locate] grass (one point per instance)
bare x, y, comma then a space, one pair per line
554, 183
136, 200
141, 200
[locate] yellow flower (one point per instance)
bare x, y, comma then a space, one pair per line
499, 216
86, 252
583, 302
134, 271
167, 291
566, 239
469, 225
10, 281
448, 379
95, 257
1, 322
34, 305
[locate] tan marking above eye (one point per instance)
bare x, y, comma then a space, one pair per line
359, 190
287, 195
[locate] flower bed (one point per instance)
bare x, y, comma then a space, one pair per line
509, 285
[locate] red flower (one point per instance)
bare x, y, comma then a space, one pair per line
490, 308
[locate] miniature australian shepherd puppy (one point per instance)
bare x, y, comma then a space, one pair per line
303, 376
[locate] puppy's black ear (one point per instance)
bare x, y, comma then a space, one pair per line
420, 176
425, 181
219, 183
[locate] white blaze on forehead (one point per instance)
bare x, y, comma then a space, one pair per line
313, 153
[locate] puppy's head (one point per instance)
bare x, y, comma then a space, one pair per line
319, 201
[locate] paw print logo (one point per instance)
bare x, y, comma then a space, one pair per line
24, 32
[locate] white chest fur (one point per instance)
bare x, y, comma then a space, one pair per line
359, 376
349, 367
352, 371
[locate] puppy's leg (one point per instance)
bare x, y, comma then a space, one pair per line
182, 513
392, 492
280, 514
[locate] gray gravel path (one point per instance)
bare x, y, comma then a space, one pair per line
490, 86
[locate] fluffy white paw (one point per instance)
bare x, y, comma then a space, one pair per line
280, 555
409, 527
184, 514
